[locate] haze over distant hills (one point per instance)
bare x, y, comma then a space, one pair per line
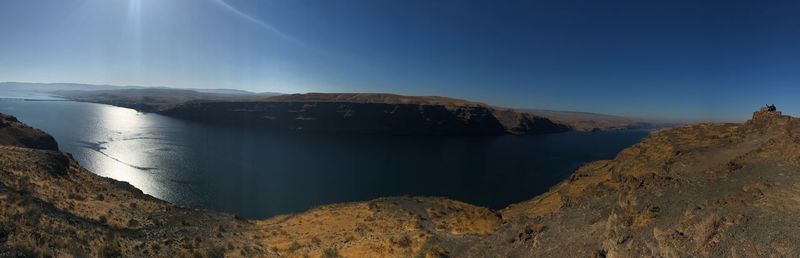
53, 87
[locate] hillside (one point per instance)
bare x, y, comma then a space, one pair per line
706, 190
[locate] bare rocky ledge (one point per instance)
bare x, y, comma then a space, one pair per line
704, 190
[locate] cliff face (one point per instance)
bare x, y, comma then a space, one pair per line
516, 122
361, 117
331, 112
707, 190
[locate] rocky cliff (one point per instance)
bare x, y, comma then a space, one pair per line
14, 133
705, 190
361, 117
332, 112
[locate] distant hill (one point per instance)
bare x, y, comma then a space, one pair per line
214, 91
53, 87
584, 121
50, 87
384, 98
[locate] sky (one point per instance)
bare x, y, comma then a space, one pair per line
692, 60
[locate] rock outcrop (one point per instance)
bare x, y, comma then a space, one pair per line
14, 133
704, 190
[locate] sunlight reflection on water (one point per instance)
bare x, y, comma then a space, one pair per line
120, 157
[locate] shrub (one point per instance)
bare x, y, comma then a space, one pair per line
133, 223
330, 253
404, 242
294, 246
76, 197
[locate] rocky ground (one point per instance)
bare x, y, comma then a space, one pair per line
705, 190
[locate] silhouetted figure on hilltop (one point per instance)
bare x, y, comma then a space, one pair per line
771, 107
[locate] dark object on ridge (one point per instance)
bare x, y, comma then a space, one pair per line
771, 107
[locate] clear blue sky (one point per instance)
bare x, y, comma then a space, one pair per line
670, 59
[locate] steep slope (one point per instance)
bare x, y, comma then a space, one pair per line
706, 190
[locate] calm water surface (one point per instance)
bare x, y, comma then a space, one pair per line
259, 174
